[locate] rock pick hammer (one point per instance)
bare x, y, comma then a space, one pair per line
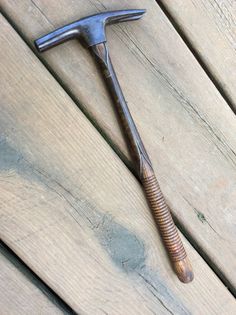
91, 31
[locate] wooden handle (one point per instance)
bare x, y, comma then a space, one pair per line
144, 168
168, 230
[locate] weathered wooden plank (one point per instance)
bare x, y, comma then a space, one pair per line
210, 27
19, 295
74, 213
187, 127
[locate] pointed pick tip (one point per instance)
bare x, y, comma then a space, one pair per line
131, 15
138, 12
143, 11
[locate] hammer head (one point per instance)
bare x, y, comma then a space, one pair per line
90, 29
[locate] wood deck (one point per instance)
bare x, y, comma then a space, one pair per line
71, 207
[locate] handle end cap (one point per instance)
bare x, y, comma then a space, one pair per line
184, 270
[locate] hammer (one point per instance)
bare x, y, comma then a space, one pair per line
91, 31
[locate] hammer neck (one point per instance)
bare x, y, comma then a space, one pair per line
101, 54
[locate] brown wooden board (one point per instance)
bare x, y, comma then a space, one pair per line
72, 210
210, 28
187, 127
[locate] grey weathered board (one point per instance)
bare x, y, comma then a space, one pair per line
210, 27
72, 210
188, 128
19, 295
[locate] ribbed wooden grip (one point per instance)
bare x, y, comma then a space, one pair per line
167, 229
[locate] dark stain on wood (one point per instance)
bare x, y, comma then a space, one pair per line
9, 157
125, 249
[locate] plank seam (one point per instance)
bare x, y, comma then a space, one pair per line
205, 257
10, 255
197, 56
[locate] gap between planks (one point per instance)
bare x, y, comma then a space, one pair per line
115, 147
217, 83
34, 279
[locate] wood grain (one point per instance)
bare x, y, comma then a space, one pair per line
19, 295
68, 213
210, 27
187, 127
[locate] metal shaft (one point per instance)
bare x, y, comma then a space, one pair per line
160, 210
